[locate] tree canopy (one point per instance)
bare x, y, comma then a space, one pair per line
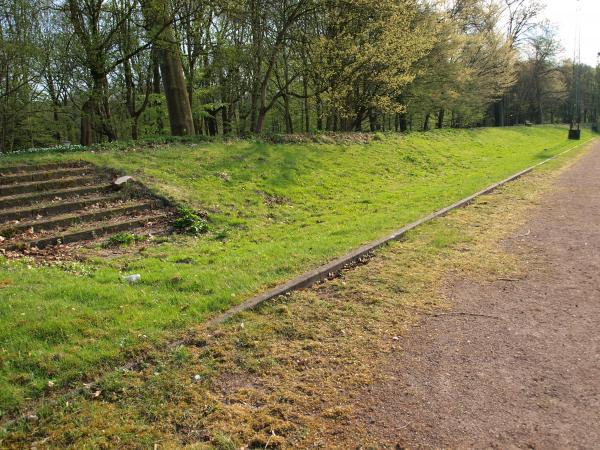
99, 70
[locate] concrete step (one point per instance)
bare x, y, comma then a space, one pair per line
23, 200
36, 186
69, 237
45, 175
25, 168
62, 203
55, 208
68, 220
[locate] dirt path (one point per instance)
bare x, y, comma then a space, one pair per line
525, 372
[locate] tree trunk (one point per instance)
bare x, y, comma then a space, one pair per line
97, 106
289, 126
426, 122
372, 121
87, 117
171, 68
226, 120
440, 118
319, 110
499, 113
135, 128
178, 103
102, 104
403, 122
156, 81
211, 123
260, 120
130, 98
55, 108
306, 107
287, 115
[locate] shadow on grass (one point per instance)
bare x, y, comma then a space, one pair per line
285, 163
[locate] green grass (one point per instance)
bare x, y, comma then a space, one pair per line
274, 211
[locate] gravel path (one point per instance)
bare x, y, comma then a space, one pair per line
521, 367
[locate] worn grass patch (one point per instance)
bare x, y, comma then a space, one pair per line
287, 375
273, 212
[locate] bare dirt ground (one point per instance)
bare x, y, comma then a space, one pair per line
516, 362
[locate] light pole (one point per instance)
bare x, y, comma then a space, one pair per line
596, 95
575, 128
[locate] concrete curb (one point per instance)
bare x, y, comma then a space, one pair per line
323, 272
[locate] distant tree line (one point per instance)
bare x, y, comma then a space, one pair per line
548, 90
89, 71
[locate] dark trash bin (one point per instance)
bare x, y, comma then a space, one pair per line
575, 135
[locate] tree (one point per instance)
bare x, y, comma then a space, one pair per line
521, 20
95, 70
469, 67
367, 57
159, 18
92, 25
543, 47
270, 24
21, 63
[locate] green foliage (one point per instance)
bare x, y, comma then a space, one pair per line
150, 141
224, 442
545, 90
154, 120
190, 222
180, 356
253, 67
370, 56
122, 240
64, 148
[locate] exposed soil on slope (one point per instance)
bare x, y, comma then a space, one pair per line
515, 362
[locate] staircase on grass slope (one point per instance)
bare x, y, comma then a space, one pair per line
47, 205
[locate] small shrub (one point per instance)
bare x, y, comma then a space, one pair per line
111, 387
180, 356
122, 240
190, 222
221, 235
223, 442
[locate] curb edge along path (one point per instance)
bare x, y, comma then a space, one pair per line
323, 272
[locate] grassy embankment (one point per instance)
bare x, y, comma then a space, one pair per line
276, 210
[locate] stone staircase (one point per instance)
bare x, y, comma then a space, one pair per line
43, 206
